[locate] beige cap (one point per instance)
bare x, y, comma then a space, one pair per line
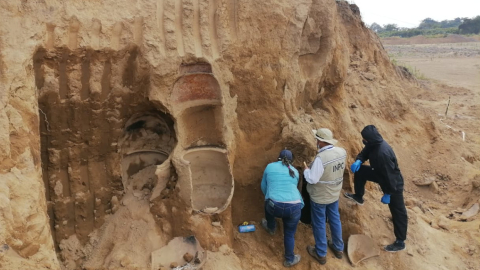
324, 135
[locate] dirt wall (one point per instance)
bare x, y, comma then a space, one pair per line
75, 74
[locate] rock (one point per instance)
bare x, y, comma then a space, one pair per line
409, 252
188, 257
115, 204
444, 223
173, 265
470, 213
476, 184
417, 210
369, 76
4, 248
210, 210
225, 249
434, 187
424, 181
411, 202
216, 224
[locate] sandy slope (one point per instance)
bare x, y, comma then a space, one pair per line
111, 77
436, 240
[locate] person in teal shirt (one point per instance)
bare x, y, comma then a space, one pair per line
282, 200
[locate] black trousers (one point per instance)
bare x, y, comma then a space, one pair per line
397, 204
306, 213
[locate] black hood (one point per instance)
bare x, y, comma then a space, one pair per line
371, 134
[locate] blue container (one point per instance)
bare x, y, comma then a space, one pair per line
246, 228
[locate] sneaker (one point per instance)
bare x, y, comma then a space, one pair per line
396, 246
265, 226
337, 253
353, 198
296, 259
311, 250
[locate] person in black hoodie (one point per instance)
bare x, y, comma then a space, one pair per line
383, 170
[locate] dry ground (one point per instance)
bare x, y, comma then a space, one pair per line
449, 70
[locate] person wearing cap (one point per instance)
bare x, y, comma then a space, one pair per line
383, 170
325, 178
282, 200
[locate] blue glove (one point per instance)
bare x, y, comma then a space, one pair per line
386, 199
356, 166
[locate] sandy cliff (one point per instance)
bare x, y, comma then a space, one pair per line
125, 124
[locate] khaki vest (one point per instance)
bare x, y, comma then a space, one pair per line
327, 190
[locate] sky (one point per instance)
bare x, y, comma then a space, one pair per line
409, 13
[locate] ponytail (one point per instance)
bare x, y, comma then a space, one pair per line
287, 163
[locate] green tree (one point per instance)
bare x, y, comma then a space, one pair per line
429, 23
470, 26
451, 23
390, 27
376, 27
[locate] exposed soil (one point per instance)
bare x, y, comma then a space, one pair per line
451, 161
125, 126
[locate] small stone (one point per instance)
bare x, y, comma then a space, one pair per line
369, 76
409, 252
434, 187
411, 202
197, 261
476, 184
216, 223
188, 257
4, 248
444, 223
115, 204
424, 181
173, 265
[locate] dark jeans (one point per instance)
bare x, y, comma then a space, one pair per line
290, 214
397, 204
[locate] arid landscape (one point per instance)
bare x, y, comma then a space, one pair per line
133, 134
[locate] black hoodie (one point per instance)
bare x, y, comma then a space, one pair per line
382, 160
